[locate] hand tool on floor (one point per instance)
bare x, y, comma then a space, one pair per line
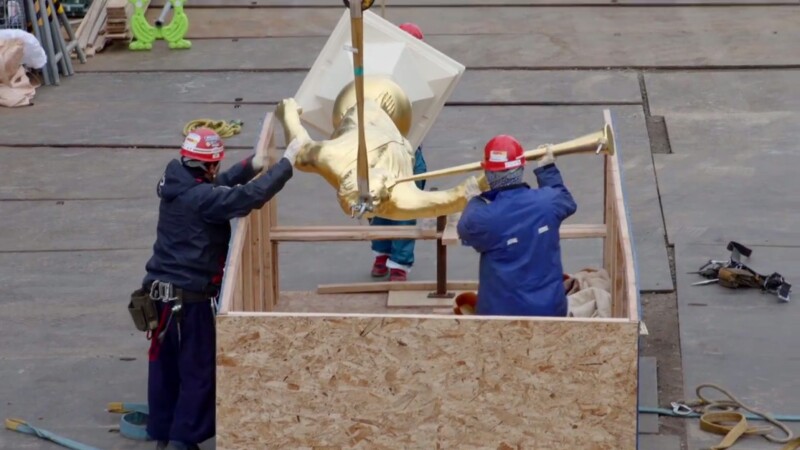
362, 165
734, 274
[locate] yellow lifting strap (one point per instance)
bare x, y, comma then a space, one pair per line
719, 416
224, 129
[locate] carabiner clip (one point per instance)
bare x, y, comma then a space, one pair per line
681, 409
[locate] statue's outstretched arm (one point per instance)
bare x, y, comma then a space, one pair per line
288, 113
409, 202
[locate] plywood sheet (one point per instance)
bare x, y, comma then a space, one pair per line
541, 38
373, 382
738, 338
478, 86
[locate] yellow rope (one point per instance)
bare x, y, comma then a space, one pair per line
224, 129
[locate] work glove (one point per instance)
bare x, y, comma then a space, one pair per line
548, 158
472, 188
258, 162
292, 150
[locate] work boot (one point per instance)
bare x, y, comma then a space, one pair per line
379, 268
398, 275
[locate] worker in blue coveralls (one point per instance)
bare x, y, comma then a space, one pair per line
184, 277
395, 257
516, 231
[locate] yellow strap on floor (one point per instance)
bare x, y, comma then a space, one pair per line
715, 422
718, 414
224, 129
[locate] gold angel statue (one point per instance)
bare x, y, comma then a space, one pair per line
388, 118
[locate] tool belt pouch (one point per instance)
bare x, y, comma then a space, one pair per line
143, 311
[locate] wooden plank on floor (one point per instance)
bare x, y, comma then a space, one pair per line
418, 299
547, 38
389, 286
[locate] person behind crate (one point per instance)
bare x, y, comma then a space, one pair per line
184, 275
516, 231
395, 257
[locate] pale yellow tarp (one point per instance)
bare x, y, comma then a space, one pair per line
16, 88
588, 294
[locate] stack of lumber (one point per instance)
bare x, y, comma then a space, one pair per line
91, 32
118, 14
105, 21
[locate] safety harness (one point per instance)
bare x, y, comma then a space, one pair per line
734, 274
146, 317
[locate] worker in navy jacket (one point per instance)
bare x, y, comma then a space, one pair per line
516, 231
186, 268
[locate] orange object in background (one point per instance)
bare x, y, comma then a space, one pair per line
466, 304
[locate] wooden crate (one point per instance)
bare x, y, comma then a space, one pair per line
336, 376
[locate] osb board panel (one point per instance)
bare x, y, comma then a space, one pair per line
414, 382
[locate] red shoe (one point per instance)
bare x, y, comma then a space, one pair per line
379, 268
398, 275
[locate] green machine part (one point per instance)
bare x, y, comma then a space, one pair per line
145, 34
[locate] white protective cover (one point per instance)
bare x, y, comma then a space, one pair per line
427, 75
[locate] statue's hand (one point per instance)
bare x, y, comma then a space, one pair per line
286, 108
379, 182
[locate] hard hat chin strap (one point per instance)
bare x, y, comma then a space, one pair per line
195, 164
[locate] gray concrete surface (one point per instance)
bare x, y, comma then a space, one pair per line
739, 339
66, 344
476, 86
576, 37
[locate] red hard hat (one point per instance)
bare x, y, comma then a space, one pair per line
412, 29
203, 144
503, 152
